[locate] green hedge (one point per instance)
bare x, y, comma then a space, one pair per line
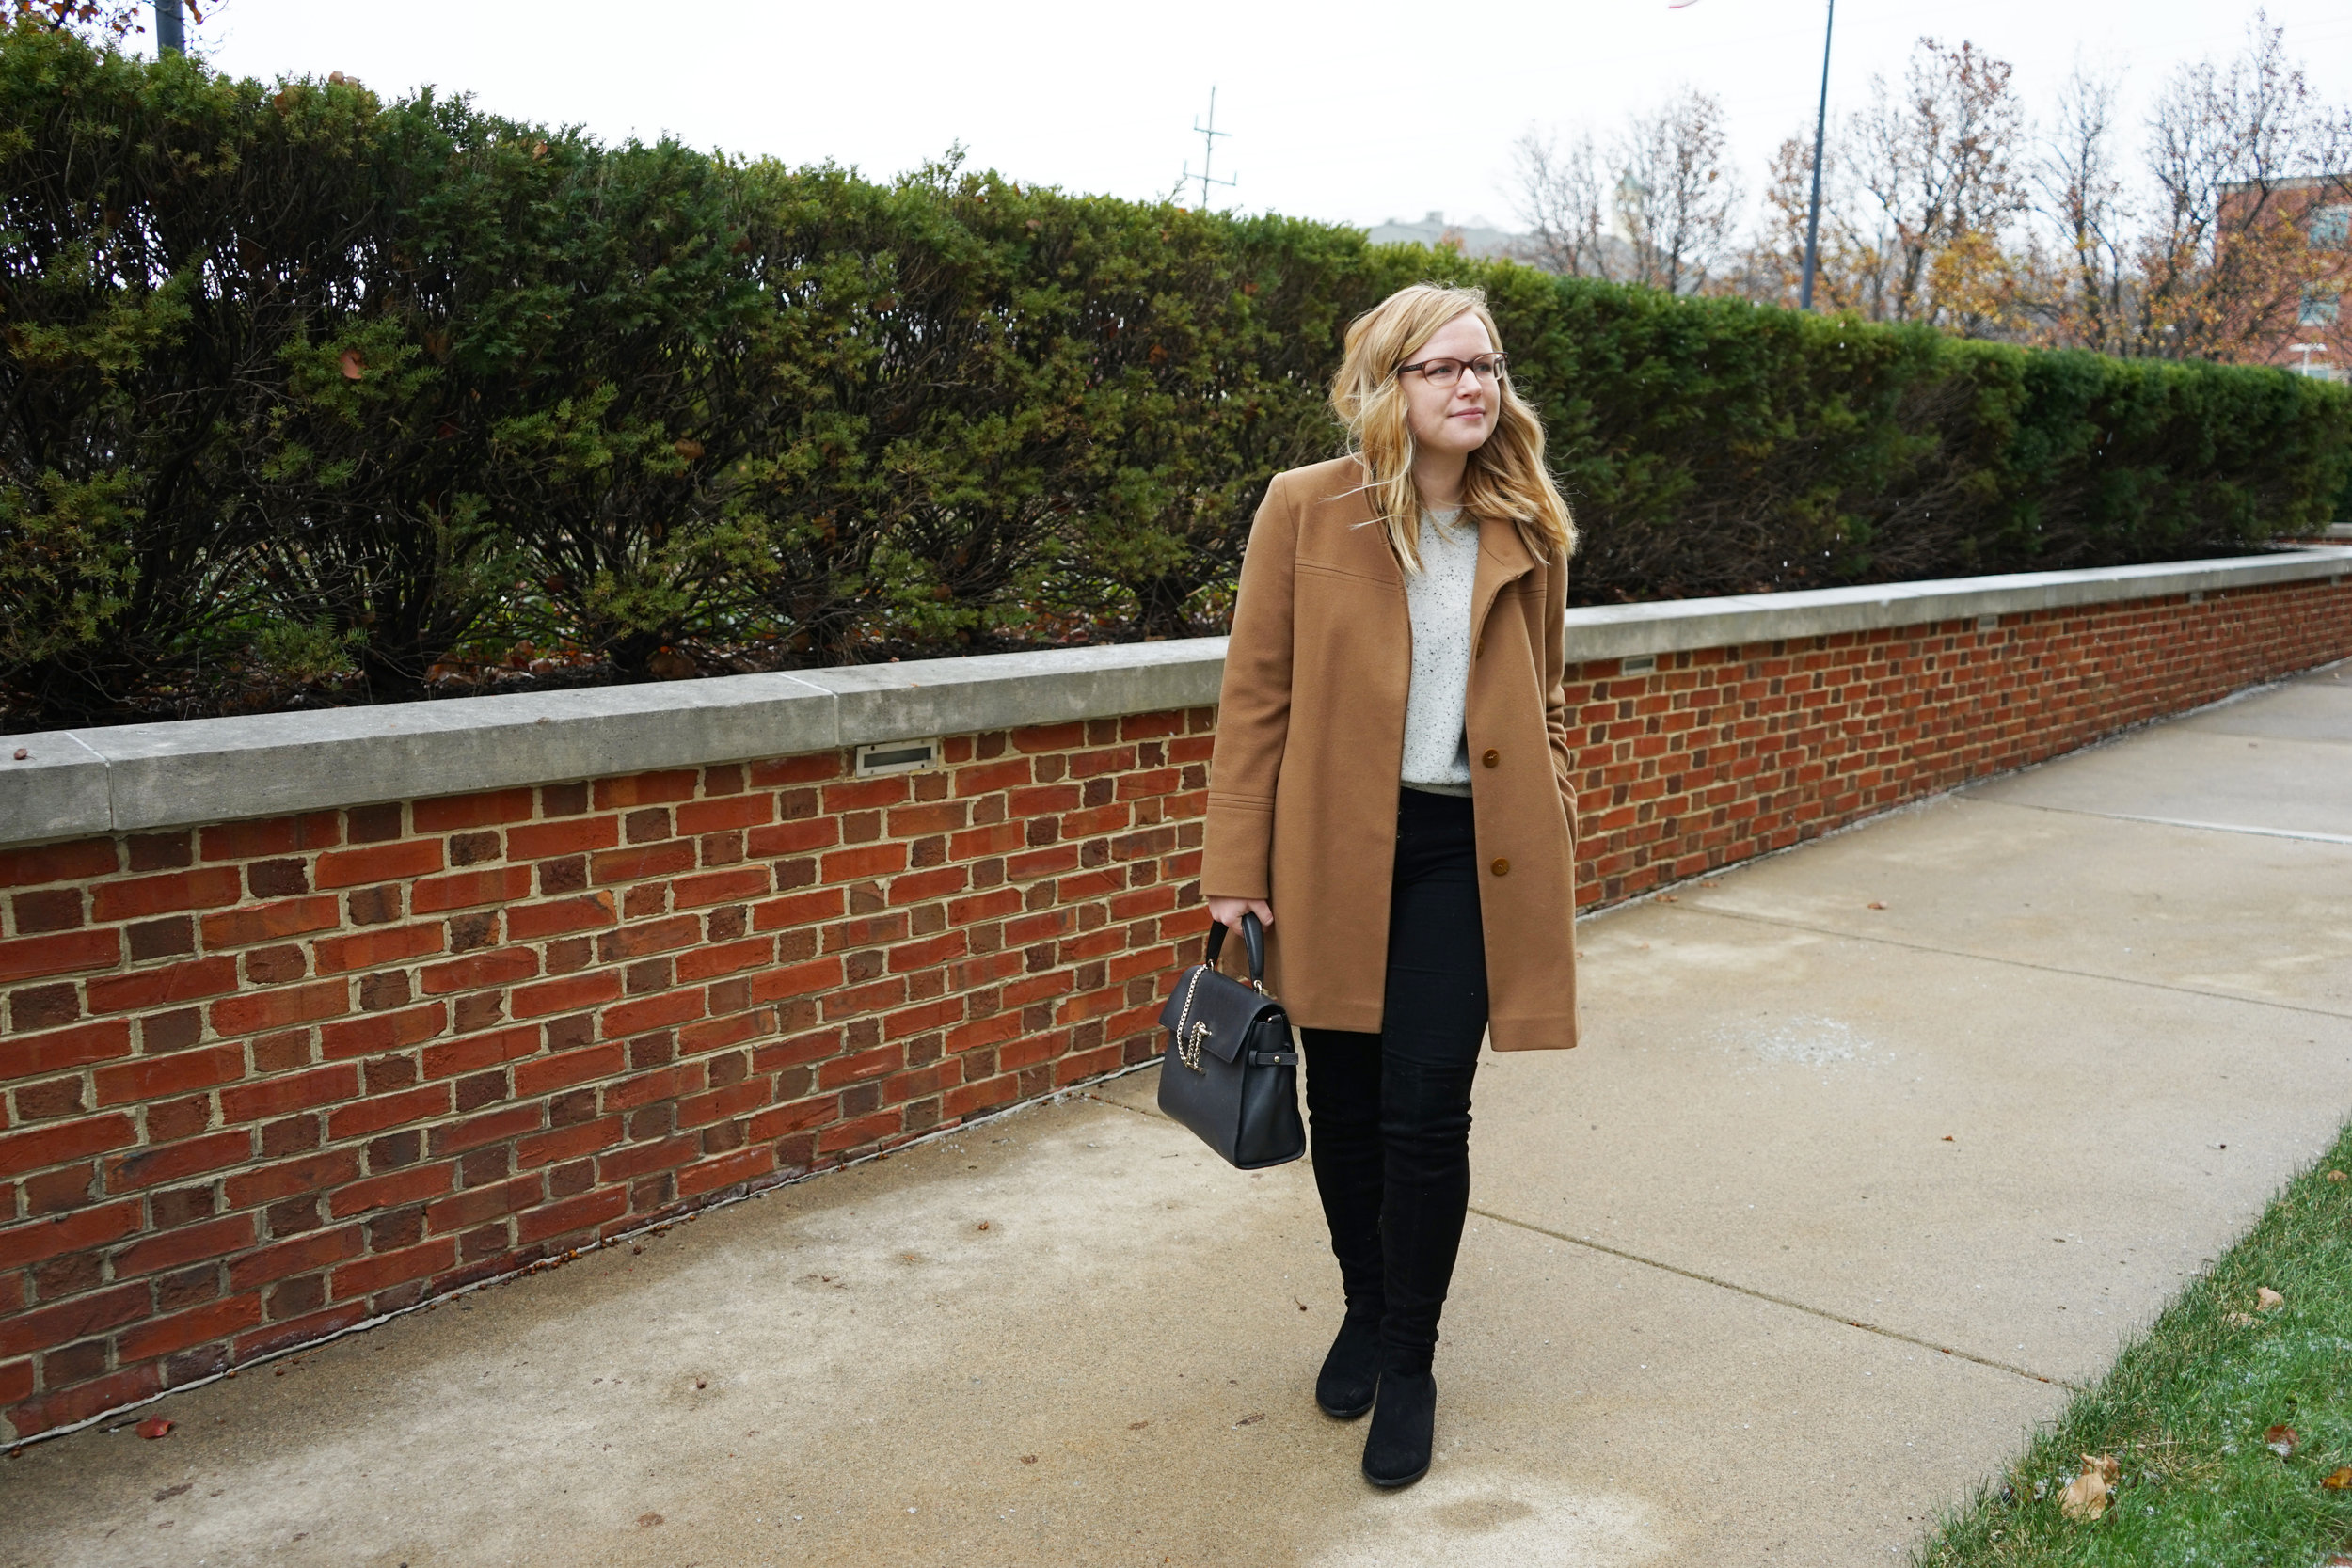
306, 387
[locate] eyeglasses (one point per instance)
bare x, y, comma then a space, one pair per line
1445, 372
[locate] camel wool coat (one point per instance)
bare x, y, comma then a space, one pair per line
1311, 736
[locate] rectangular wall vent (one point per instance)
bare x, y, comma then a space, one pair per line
897, 756
1640, 664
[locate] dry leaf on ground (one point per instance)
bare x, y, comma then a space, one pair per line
155, 1426
2265, 1298
2086, 1495
2280, 1440
1876, 905
2339, 1480
2336, 1175
2238, 1319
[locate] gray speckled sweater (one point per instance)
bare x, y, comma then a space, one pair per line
1437, 753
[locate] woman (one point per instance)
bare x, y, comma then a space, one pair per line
1391, 769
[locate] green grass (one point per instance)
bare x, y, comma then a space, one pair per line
2184, 1411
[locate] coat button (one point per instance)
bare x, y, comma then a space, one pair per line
1491, 758
1501, 867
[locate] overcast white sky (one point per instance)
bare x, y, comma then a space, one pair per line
1351, 113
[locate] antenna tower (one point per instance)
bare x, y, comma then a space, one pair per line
1208, 134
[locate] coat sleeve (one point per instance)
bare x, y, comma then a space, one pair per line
1253, 715
1555, 692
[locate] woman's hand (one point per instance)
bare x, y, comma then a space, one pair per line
1228, 911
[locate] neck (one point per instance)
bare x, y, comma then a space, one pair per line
1439, 476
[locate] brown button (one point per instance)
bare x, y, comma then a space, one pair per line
1501, 869
1491, 758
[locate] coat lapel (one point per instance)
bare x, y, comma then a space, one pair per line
1502, 560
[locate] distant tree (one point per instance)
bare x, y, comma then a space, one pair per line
2242, 162
1656, 204
99, 21
2084, 289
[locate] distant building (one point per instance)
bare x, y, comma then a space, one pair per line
2309, 332
1474, 238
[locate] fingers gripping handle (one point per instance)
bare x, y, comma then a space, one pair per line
1252, 936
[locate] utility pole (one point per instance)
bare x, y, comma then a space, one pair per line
169, 39
1208, 134
1821, 133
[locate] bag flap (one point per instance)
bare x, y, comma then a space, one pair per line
1227, 1007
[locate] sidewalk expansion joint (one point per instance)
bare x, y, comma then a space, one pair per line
2311, 835
2014, 963
1879, 1329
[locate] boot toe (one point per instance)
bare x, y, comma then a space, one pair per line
1351, 1372
1404, 1429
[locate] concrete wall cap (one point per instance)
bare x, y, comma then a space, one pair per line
138, 777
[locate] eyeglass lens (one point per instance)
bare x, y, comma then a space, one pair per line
1445, 372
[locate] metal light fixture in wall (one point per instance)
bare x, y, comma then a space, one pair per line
897, 756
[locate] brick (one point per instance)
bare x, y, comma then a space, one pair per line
566, 1143
26, 1333
311, 1173
462, 1210
460, 890
182, 1072
545, 1075
362, 1037
493, 1127
177, 1162
269, 922
651, 1013
644, 789
58, 862
473, 1052
572, 1214
318, 1249
565, 995
708, 1176
386, 944
209, 887
380, 862
666, 859
56, 1050
282, 1096
77, 1232
578, 836
378, 1112
502, 967
61, 1142
448, 813
281, 1006
560, 916
734, 885
163, 1335
63, 953
159, 988
188, 1244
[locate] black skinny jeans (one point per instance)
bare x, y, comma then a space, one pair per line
1390, 1114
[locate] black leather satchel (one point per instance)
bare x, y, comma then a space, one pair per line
1231, 1073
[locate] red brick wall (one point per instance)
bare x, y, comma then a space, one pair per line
1723, 754
266, 1079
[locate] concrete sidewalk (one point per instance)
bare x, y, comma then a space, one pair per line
1832, 1204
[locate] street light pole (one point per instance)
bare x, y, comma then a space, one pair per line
169, 39
1821, 130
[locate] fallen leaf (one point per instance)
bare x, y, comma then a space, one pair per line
21, 753
2332, 1176
355, 364
155, 1426
670, 665
2282, 1441
2086, 1495
647, 1521
173, 1491
1250, 1421
2337, 1481
2238, 1319
1876, 905
983, 1224
1029, 1459
1667, 898
2265, 1298
1709, 882
1137, 1426
701, 1382
1947, 1137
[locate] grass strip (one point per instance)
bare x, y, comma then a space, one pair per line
2185, 1409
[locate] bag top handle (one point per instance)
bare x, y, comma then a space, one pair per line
1252, 938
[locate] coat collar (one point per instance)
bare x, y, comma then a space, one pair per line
1502, 559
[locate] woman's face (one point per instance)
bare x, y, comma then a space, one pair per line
1456, 418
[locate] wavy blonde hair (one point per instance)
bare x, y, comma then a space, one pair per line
1506, 478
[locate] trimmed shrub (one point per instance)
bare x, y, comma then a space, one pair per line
311, 396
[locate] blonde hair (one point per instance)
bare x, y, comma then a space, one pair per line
1505, 478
